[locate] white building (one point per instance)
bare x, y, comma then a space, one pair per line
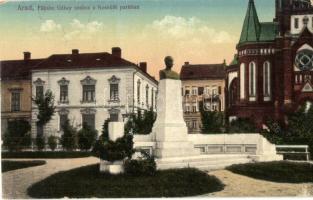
92, 87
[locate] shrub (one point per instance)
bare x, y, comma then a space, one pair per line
69, 136
113, 151
86, 137
212, 121
140, 123
40, 142
52, 142
45, 154
17, 135
241, 125
141, 167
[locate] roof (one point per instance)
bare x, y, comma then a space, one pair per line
204, 71
17, 69
235, 61
255, 31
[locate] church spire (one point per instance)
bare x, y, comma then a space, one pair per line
251, 27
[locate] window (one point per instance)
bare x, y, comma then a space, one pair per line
187, 108
296, 23
15, 101
113, 117
88, 93
147, 95
194, 108
200, 90
138, 92
194, 124
63, 119
114, 92
194, 91
63, 93
252, 80
39, 91
187, 92
89, 119
242, 80
267, 81
214, 91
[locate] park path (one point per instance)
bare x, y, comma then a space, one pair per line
242, 186
16, 182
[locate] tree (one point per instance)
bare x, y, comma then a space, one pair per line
17, 135
86, 137
52, 142
69, 136
141, 123
46, 110
212, 121
241, 125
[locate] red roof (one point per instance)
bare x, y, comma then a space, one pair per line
203, 71
17, 69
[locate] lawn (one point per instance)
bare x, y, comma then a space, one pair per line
87, 182
278, 171
45, 154
13, 165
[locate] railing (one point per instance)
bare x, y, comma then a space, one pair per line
227, 148
292, 151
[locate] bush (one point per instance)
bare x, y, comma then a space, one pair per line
40, 143
241, 125
8, 165
212, 121
113, 151
17, 135
52, 142
68, 139
141, 123
141, 167
86, 137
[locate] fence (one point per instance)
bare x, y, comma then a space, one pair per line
293, 150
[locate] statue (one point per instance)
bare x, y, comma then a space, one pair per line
167, 73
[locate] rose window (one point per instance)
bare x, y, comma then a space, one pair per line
304, 59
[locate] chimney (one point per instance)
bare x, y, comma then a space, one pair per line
27, 55
75, 51
186, 63
143, 66
116, 51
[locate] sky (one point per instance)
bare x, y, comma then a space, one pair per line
197, 31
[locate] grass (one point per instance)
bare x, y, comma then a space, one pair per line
278, 171
45, 154
13, 165
87, 182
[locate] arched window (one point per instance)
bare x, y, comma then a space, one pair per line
252, 81
267, 81
242, 80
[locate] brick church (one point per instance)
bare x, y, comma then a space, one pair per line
272, 72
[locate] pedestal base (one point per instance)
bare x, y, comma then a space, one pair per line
116, 167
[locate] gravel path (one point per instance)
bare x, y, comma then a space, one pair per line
16, 182
239, 186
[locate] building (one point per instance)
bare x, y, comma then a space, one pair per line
272, 71
90, 88
203, 87
16, 89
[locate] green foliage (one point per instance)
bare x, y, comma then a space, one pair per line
145, 166
52, 142
46, 107
88, 182
8, 165
86, 137
68, 139
40, 142
141, 123
212, 121
113, 151
17, 135
241, 125
281, 171
105, 130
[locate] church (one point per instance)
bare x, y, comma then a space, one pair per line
272, 72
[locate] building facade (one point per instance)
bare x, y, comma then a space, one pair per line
90, 88
16, 90
202, 88
272, 72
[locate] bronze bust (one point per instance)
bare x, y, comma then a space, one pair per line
167, 73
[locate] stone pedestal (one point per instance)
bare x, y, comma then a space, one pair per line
170, 131
116, 130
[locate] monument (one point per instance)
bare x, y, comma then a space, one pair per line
170, 131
